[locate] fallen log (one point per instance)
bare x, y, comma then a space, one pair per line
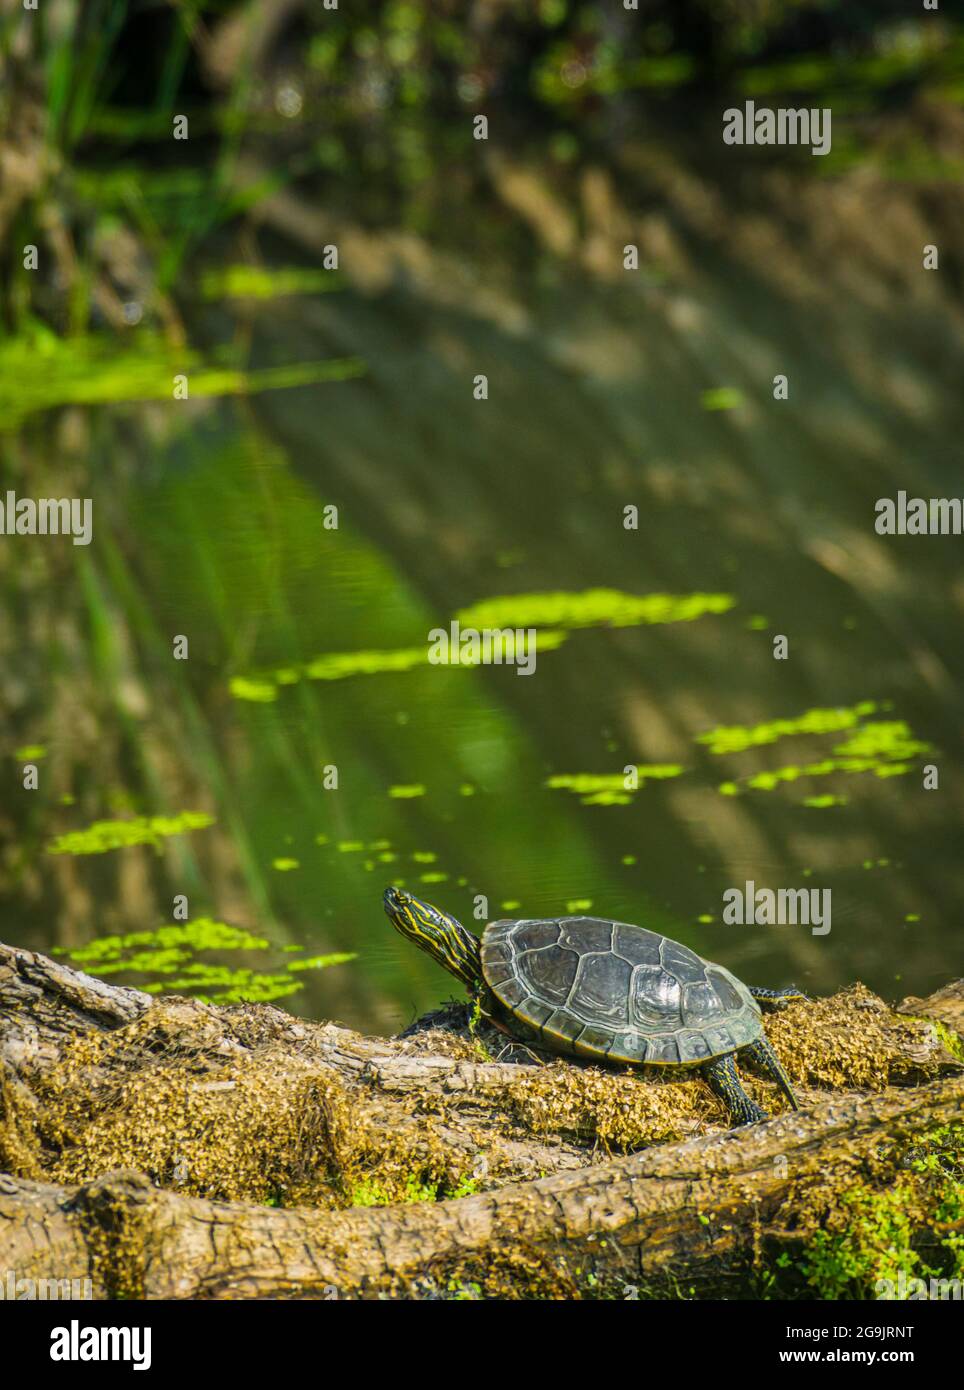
167, 1148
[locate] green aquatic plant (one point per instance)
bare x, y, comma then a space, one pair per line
721, 398
106, 835
170, 951
334, 666
323, 962
551, 613
886, 749
103, 954
734, 738
41, 371
262, 282
590, 608
609, 788
222, 984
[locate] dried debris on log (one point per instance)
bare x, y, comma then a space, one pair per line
170, 1148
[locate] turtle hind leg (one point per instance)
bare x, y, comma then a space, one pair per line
769, 1063
724, 1081
773, 997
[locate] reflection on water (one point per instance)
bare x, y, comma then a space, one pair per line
305, 540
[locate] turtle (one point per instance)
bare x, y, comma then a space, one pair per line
607, 992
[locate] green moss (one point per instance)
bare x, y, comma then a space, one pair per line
894, 1231
370, 1193
948, 1037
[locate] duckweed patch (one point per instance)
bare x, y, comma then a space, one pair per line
263, 687
886, 748
735, 738
263, 282
551, 613
170, 952
30, 753
591, 608
106, 835
722, 398
108, 954
610, 789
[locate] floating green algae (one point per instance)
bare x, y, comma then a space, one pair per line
258, 691
105, 835
284, 865
259, 282
721, 398
323, 962
886, 750
591, 608
403, 792
609, 788
104, 954
734, 738
170, 952
334, 666
550, 613
229, 985
30, 753
890, 739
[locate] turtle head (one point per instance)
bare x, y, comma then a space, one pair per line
438, 933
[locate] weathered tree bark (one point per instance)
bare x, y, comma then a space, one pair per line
167, 1148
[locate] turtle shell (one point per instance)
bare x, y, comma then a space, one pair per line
615, 992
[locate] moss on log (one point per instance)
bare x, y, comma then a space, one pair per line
168, 1148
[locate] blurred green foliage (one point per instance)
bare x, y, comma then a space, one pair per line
381, 95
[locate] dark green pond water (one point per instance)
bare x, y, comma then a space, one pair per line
325, 757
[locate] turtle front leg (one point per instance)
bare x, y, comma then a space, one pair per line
769, 1063
723, 1079
774, 997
